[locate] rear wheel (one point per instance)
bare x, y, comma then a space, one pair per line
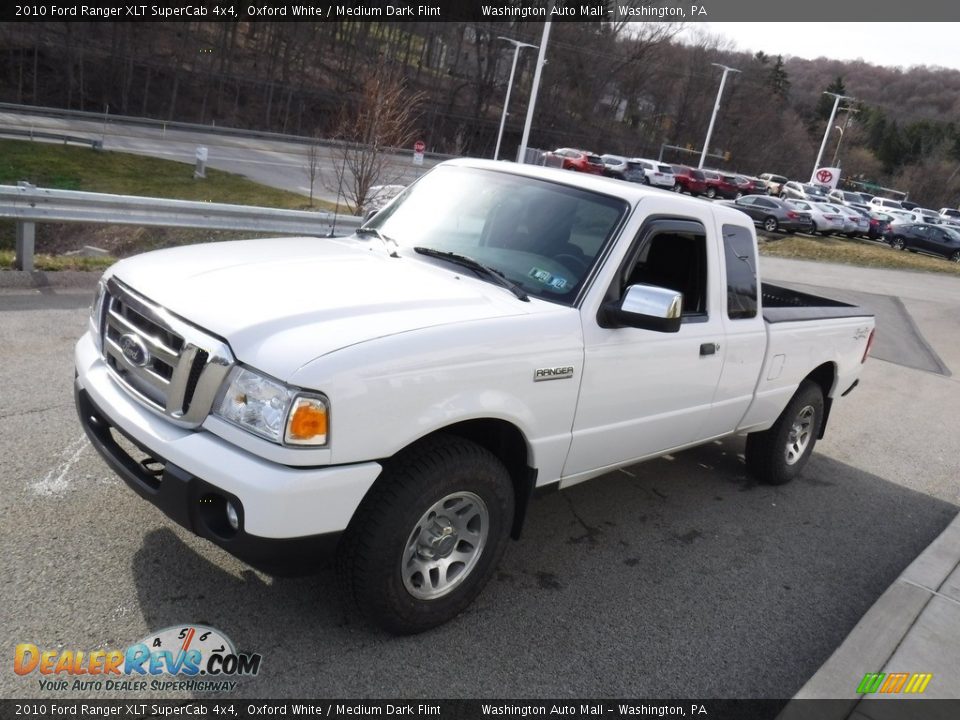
429, 535
711, 193
956, 257
776, 456
898, 243
678, 188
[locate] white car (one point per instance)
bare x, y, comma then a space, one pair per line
885, 204
850, 224
396, 396
826, 220
656, 173
859, 223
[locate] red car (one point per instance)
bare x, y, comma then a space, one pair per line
571, 159
721, 185
689, 180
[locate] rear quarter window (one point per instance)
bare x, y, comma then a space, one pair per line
741, 264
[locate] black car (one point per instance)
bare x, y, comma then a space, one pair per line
932, 239
772, 213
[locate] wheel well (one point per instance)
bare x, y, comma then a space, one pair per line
509, 445
824, 376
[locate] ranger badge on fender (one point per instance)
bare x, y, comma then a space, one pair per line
554, 373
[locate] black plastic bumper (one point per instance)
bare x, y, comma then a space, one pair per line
196, 504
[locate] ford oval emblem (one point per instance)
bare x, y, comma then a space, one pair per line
134, 349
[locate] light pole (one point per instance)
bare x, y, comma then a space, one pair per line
503, 118
826, 133
716, 107
541, 59
836, 153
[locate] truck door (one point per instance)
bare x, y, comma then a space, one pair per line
642, 391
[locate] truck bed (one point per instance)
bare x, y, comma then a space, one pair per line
782, 304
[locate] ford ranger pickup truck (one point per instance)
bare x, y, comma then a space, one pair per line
397, 396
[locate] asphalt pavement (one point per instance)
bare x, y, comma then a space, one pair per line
679, 577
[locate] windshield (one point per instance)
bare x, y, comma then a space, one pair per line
540, 235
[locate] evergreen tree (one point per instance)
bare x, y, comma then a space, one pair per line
825, 105
779, 82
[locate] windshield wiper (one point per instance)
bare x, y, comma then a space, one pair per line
477, 266
377, 234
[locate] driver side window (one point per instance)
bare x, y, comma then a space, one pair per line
676, 260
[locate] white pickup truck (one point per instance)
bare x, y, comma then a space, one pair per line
397, 396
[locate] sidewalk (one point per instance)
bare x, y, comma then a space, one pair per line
914, 627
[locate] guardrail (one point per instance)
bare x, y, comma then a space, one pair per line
43, 135
28, 205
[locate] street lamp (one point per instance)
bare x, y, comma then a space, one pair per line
716, 107
826, 133
503, 118
541, 60
836, 153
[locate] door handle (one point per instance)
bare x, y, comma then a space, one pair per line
709, 348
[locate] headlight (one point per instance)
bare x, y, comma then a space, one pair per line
273, 410
96, 312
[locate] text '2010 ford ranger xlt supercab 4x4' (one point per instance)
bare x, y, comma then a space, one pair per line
396, 396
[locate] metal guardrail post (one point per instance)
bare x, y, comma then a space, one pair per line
26, 235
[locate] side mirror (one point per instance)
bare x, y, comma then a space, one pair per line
646, 307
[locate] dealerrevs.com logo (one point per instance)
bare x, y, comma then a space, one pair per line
185, 657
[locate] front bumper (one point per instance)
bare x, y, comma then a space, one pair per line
283, 512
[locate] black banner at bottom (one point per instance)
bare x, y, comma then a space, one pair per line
140, 709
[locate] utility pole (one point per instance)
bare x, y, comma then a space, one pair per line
716, 107
843, 130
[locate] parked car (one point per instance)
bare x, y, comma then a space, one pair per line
899, 217
720, 185
793, 190
845, 197
774, 182
689, 180
885, 204
825, 220
879, 222
750, 185
614, 166
859, 224
772, 213
656, 173
572, 159
909, 205
929, 239
924, 215
398, 402
949, 214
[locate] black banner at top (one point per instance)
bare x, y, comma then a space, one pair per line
507, 11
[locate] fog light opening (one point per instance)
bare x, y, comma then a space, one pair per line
232, 516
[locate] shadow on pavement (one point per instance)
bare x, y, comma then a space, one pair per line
676, 578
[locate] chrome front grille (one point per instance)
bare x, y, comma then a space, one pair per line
167, 364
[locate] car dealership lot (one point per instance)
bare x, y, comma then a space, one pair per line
678, 577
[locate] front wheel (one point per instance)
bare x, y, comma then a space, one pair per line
711, 193
955, 257
770, 224
427, 538
898, 243
776, 456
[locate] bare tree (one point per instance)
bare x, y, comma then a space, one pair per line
312, 165
381, 118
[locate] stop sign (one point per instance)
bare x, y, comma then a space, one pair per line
419, 146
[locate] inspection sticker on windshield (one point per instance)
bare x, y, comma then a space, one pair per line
554, 281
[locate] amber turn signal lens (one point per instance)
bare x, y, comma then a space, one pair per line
308, 422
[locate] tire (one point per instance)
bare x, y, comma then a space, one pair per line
898, 243
391, 557
711, 193
770, 224
677, 188
738, 195
776, 456
646, 180
955, 257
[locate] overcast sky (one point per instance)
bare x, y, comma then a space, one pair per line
890, 44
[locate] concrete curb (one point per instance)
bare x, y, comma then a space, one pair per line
885, 629
45, 281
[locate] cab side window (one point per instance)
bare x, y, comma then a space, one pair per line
741, 263
676, 260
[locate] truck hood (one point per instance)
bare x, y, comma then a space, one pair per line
281, 303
